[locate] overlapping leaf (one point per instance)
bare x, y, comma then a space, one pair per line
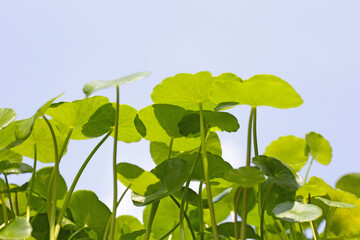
126, 224
350, 183
297, 212
7, 167
7, 116
9, 155
246, 177
19, 228
319, 148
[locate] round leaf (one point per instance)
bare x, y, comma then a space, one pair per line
7, 116
278, 172
319, 148
259, 90
7, 167
93, 86
126, 224
315, 187
289, 150
335, 204
350, 183
227, 230
297, 212
19, 228
245, 176
9, 155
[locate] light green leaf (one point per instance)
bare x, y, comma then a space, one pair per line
19, 228
245, 176
187, 90
93, 86
7, 135
290, 150
278, 172
315, 187
41, 136
88, 210
74, 115
319, 148
259, 90
335, 204
297, 212
126, 224
7, 167
350, 183
141, 181
9, 155
7, 116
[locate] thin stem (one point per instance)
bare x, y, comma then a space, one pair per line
327, 223
169, 232
256, 151
302, 232
154, 207
201, 212
31, 183
186, 217
113, 219
248, 159
3, 205
184, 196
292, 232
17, 204
308, 170
271, 183
9, 194
283, 231
170, 147
77, 232
206, 173
75, 181
313, 224
237, 201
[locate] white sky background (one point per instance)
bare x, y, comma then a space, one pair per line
47, 47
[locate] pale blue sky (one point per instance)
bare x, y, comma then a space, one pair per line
47, 47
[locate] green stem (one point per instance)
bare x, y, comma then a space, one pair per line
31, 183
263, 204
77, 232
248, 159
308, 170
201, 212
170, 147
292, 232
206, 173
237, 201
328, 218
313, 224
283, 231
256, 151
169, 232
73, 185
17, 204
184, 196
154, 207
9, 195
186, 217
3, 205
113, 219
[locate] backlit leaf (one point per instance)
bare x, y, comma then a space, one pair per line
319, 148
7, 115
93, 86
19, 228
126, 224
350, 183
297, 212
9, 155
246, 177
336, 204
290, 150
7, 167
259, 90
315, 187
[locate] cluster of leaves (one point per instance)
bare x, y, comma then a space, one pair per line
268, 194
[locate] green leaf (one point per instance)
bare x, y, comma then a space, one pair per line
251, 200
259, 90
7, 135
278, 172
88, 210
7, 167
289, 150
134, 235
350, 183
141, 181
319, 148
336, 204
245, 176
41, 136
74, 115
172, 174
93, 86
315, 187
126, 224
19, 228
297, 212
14, 189
7, 116
139, 125
41, 184
227, 230
9, 155
187, 90
2, 214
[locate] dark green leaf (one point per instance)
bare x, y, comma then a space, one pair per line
350, 183
139, 125
227, 230
134, 235
245, 176
93, 86
19, 228
319, 148
7, 167
7, 116
297, 212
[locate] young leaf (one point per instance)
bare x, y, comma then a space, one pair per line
319, 148
7, 167
290, 150
87, 210
297, 212
350, 183
19, 228
259, 90
246, 177
315, 187
7, 116
93, 86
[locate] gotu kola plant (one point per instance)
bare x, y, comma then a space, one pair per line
268, 193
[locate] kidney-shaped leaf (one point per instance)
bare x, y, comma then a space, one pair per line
350, 183
315, 187
9, 155
126, 224
7, 167
93, 86
297, 212
7, 116
245, 176
19, 228
290, 150
276, 195
259, 90
319, 148
278, 172
335, 203
227, 230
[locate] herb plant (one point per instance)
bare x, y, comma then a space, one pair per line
269, 195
